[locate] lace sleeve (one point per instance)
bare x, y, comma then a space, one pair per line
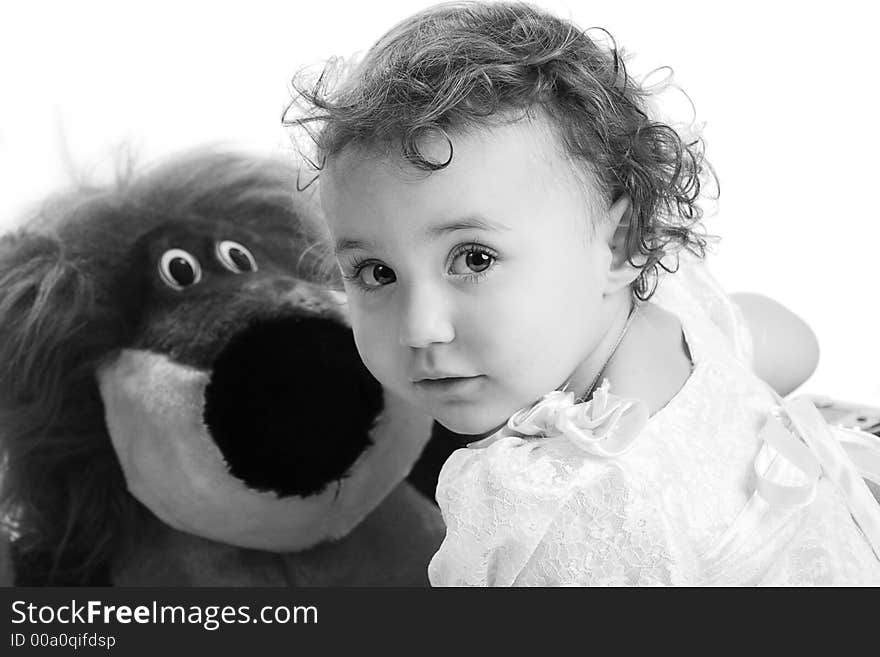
536, 513
603, 535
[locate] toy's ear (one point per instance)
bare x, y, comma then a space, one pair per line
61, 482
615, 231
44, 302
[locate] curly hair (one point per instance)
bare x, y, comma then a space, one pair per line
467, 65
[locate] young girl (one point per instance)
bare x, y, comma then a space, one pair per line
507, 218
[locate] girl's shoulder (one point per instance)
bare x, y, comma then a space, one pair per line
688, 322
713, 324
654, 362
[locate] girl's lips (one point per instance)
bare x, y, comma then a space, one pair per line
450, 386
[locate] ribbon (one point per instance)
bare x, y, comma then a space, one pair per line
799, 447
605, 426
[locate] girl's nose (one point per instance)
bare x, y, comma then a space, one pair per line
425, 319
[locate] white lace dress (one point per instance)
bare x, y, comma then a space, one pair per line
700, 497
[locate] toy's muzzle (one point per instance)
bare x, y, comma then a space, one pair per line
290, 404
285, 442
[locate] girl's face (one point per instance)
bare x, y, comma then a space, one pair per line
475, 289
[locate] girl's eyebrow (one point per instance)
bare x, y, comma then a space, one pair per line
466, 223
433, 232
345, 244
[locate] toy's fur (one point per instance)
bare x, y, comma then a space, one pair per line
77, 286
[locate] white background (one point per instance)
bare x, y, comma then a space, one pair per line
786, 91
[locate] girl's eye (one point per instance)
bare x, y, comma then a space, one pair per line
179, 269
473, 260
235, 257
375, 275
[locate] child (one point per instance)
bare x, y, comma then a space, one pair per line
503, 210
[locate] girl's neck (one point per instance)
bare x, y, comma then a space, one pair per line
597, 363
653, 362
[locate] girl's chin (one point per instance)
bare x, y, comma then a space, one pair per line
475, 419
471, 429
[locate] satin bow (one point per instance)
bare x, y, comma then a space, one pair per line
799, 447
797, 439
605, 426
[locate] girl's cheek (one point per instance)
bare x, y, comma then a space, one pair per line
371, 338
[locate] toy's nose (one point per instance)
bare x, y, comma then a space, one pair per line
294, 294
290, 404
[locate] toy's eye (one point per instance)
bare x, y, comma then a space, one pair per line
179, 269
235, 257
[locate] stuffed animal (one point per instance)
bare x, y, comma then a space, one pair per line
181, 400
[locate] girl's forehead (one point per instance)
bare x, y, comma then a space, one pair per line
529, 137
511, 152
498, 172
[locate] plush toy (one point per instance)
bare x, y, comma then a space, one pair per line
181, 400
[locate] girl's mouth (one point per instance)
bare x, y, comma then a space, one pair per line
454, 386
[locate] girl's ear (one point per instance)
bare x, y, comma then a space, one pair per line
621, 272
